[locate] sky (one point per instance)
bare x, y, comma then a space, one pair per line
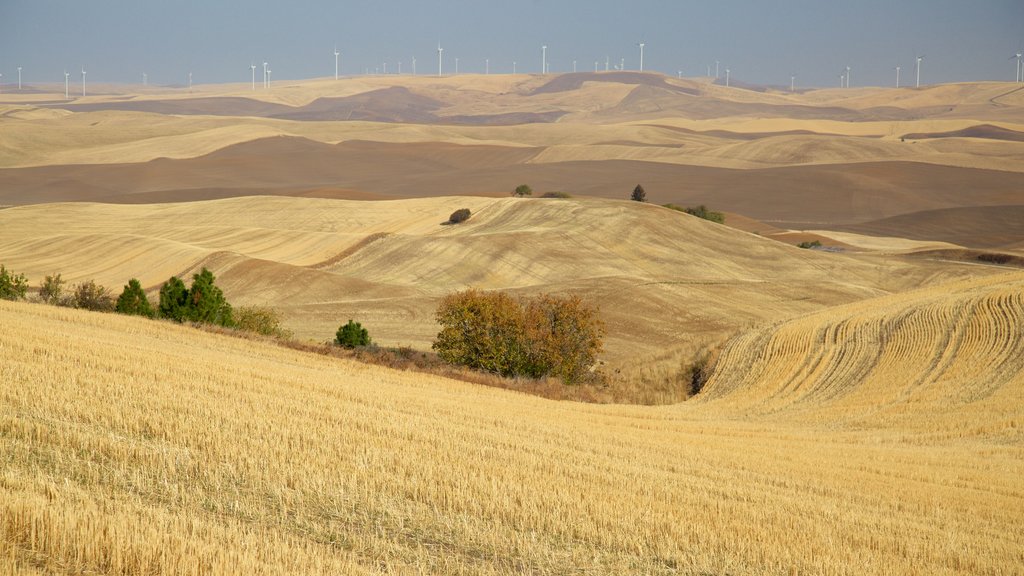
760, 42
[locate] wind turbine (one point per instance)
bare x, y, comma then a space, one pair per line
513, 67
83, 80
19, 78
595, 66
1018, 57
726, 77
269, 72
336, 54
456, 65
189, 81
145, 79
487, 65
253, 66
606, 61
544, 59
440, 61
413, 65
264, 74
919, 58
897, 76
573, 66
641, 45
66, 75
792, 82
1, 82
847, 76
716, 69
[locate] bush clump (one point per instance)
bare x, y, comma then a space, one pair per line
351, 335
51, 289
12, 286
89, 295
700, 212
542, 336
812, 244
522, 190
260, 320
204, 302
562, 195
133, 301
460, 215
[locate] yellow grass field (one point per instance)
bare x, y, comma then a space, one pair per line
132, 446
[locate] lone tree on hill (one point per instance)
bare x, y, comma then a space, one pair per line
133, 301
523, 190
638, 194
460, 215
352, 334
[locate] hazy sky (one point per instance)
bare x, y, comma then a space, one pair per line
760, 41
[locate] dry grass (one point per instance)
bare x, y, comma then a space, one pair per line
130, 446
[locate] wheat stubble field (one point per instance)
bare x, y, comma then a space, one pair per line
864, 417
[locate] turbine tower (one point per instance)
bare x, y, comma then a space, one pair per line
264, 74
336, 54
253, 66
544, 59
919, 58
189, 81
66, 75
847, 76
456, 65
19, 78
716, 69
641, 45
897, 76
413, 65
726, 77
83, 80
487, 65
145, 79
1018, 56
269, 72
792, 82
440, 61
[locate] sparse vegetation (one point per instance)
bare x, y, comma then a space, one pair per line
352, 335
173, 300
12, 286
639, 195
556, 194
537, 337
260, 320
89, 295
133, 301
460, 215
51, 289
522, 190
700, 212
809, 244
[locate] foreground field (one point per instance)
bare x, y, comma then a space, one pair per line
132, 446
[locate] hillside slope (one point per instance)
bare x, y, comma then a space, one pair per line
133, 446
906, 359
667, 283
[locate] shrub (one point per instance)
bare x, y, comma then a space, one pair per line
260, 320
639, 195
51, 289
700, 212
546, 335
352, 334
812, 244
89, 295
522, 190
12, 286
173, 300
699, 374
133, 301
460, 215
556, 195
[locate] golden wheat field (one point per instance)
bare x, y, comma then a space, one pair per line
865, 407
132, 446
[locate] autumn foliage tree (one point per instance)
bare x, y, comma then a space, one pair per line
542, 336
